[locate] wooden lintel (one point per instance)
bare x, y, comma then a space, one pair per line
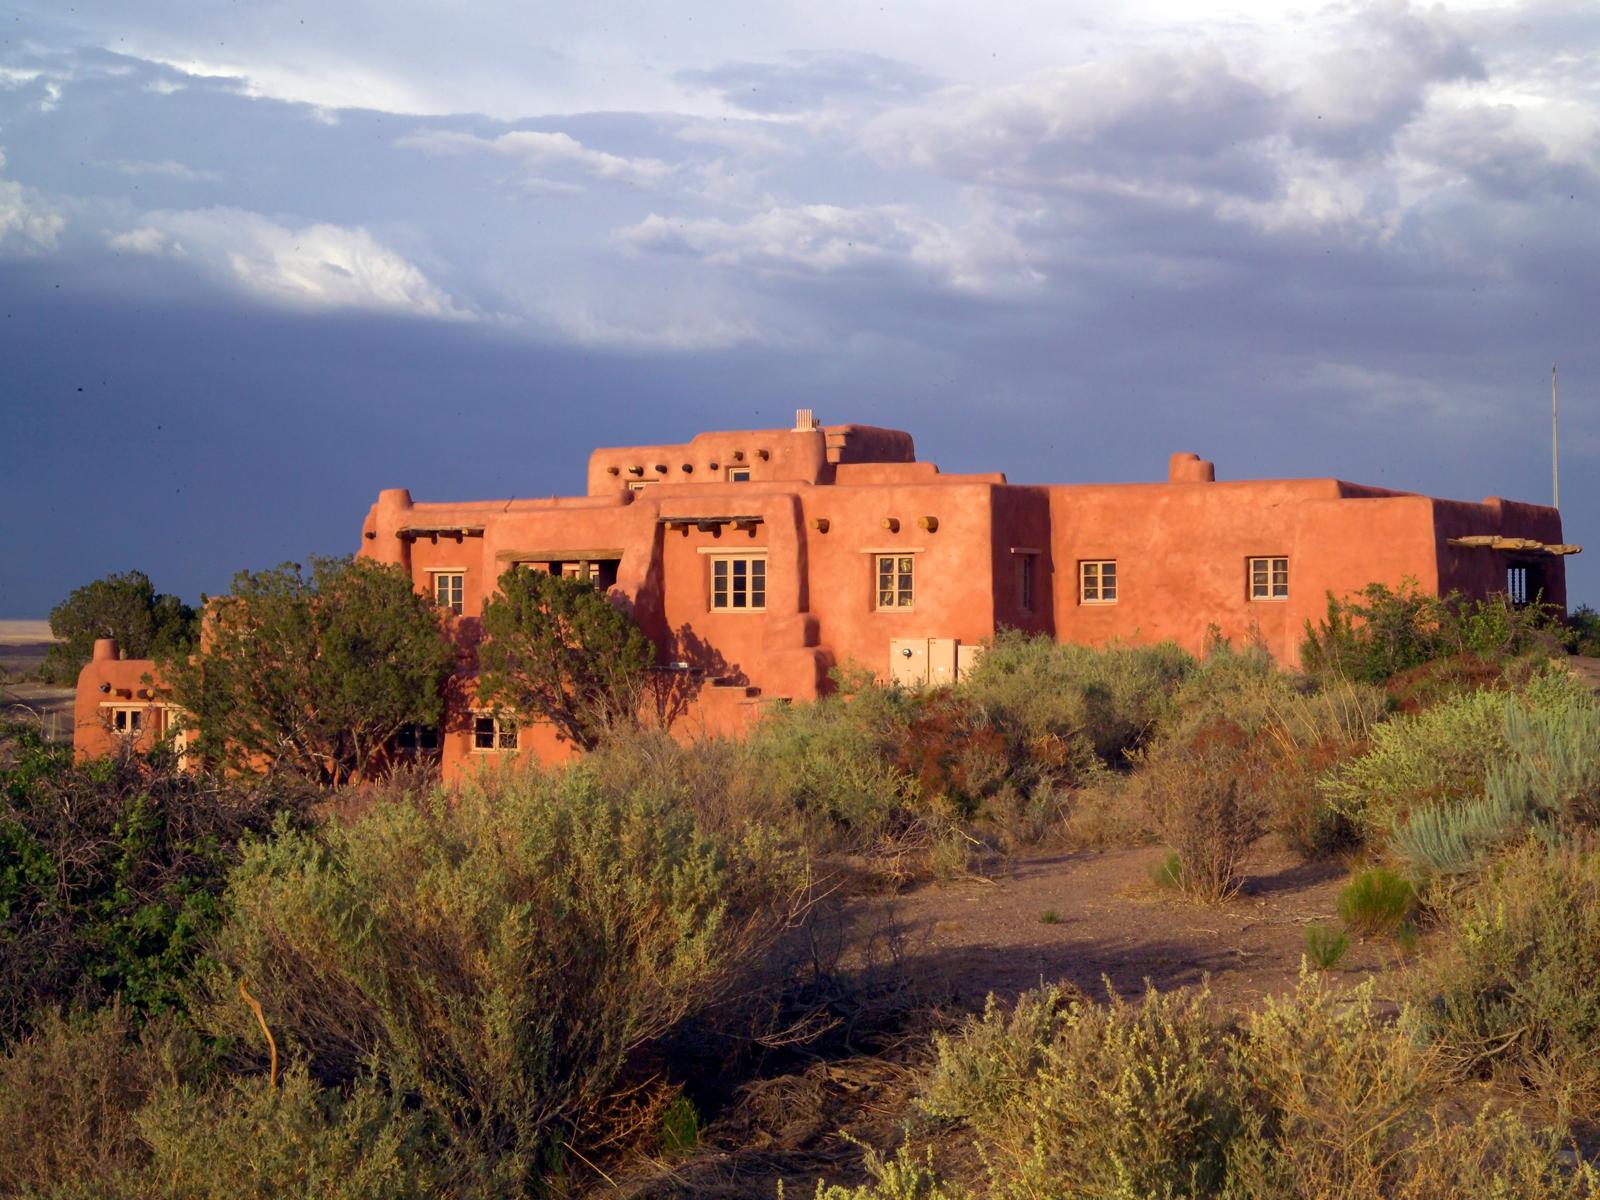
1491, 541
584, 555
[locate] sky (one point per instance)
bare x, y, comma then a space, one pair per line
261, 259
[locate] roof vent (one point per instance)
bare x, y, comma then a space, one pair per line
805, 420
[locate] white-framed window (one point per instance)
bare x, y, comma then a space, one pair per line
739, 583
414, 739
491, 732
1269, 579
1097, 581
639, 485
738, 474
1025, 582
448, 589
896, 576
127, 720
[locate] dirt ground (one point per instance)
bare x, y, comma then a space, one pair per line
22, 649
1096, 915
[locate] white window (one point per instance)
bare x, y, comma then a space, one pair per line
1097, 581
638, 485
491, 732
896, 580
1269, 579
127, 721
739, 583
447, 589
738, 474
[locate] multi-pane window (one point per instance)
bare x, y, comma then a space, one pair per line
1269, 579
491, 732
128, 721
447, 589
1097, 581
1025, 582
738, 474
896, 580
414, 738
739, 583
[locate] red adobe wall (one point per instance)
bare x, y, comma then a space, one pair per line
108, 680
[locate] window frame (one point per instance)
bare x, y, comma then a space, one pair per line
134, 726
1099, 566
738, 474
727, 560
498, 727
1269, 593
901, 581
456, 604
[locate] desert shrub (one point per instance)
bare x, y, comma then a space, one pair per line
244, 1140
69, 1094
1312, 731
1376, 901
1440, 755
111, 873
1334, 1094
1584, 626
1316, 1094
1113, 1100
1384, 631
1326, 947
1046, 690
509, 960
1243, 687
1516, 990
1545, 781
1204, 798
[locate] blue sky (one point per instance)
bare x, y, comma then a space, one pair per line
258, 261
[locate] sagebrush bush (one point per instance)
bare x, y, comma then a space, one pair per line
1440, 755
1117, 1099
1316, 1095
69, 1094
1376, 901
504, 959
1109, 697
1515, 990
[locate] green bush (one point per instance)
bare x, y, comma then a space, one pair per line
508, 959
111, 874
1384, 631
1442, 755
1326, 947
1376, 902
1110, 697
1516, 990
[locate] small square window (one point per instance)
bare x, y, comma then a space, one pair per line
896, 580
1269, 579
448, 589
128, 721
739, 583
738, 474
490, 732
413, 739
1097, 581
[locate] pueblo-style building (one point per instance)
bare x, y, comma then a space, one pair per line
758, 560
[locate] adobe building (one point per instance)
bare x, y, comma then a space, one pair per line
758, 560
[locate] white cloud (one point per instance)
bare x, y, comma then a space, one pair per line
170, 168
541, 152
28, 222
825, 239
318, 266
